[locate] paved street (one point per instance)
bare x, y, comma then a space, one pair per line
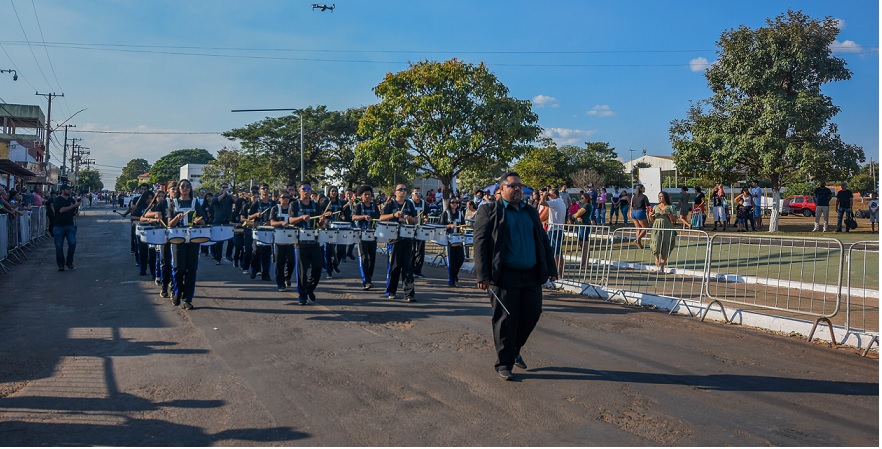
97, 357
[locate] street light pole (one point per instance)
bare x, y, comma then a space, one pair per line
302, 163
632, 167
12, 71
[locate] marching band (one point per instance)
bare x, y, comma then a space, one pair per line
298, 233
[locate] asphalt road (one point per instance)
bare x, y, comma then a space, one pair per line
96, 357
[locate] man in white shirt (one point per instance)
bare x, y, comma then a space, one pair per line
557, 215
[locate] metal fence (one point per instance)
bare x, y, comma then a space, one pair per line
794, 277
19, 233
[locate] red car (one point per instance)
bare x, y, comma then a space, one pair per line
799, 204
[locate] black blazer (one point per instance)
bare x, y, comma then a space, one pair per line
491, 235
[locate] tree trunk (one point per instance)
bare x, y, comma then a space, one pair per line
446, 181
776, 204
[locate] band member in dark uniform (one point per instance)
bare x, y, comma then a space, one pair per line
248, 237
185, 211
221, 214
163, 259
419, 246
145, 200
156, 215
285, 264
350, 210
334, 253
240, 208
400, 251
259, 214
452, 218
365, 214
304, 213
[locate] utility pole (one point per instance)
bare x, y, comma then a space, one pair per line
48, 124
64, 158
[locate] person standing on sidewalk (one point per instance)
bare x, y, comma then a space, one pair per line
843, 206
66, 208
823, 195
513, 260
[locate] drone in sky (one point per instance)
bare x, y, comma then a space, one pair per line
323, 8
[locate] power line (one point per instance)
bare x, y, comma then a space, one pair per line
46, 49
149, 132
30, 47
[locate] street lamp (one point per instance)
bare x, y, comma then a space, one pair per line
12, 71
632, 167
302, 164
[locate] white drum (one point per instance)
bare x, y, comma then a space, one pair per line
155, 236
140, 230
199, 234
340, 225
368, 235
455, 239
406, 231
387, 231
469, 238
263, 235
425, 233
285, 236
347, 237
221, 233
440, 235
176, 236
208, 243
327, 236
306, 235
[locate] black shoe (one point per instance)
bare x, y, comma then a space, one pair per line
176, 299
187, 305
368, 286
520, 363
253, 275
235, 264
163, 293
217, 262
351, 256
330, 276
505, 374
282, 289
70, 267
312, 296
302, 302
265, 278
418, 275
409, 299
157, 281
61, 268
336, 268
229, 258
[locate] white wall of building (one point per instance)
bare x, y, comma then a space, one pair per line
193, 172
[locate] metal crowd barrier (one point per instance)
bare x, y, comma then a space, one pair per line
632, 270
18, 233
582, 253
792, 275
862, 290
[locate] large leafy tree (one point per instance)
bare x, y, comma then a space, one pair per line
329, 139
168, 167
597, 157
89, 180
132, 170
441, 117
866, 180
767, 117
543, 166
224, 168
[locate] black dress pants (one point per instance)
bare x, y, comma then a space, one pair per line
512, 324
400, 266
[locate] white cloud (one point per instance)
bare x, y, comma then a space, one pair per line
565, 136
601, 110
840, 24
543, 100
699, 64
846, 47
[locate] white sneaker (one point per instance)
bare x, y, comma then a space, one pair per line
815, 229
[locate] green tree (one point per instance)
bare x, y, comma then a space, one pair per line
767, 117
168, 167
224, 168
479, 176
132, 170
598, 157
441, 117
866, 180
89, 180
543, 167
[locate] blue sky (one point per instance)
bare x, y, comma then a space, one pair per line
609, 71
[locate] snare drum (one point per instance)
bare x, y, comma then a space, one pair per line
155, 236
263, 235
387, 231
469, 238
199, 234
327, 237
368, 235
347, 237
285, 236
176, 236
221, 233
455, 239
140, 230
340, 225
440, 236
306, 235
425, 233
406, 231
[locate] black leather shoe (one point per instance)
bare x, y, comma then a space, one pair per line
505, 374
520, 363
176, 299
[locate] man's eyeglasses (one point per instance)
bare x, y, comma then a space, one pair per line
185, 186
264, 188
514, 186
401, 190
286, 197
306, 189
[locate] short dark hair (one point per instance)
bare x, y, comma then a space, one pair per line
304, 183
264, 185
364, 188
508, 175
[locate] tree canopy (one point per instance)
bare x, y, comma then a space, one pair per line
441, 117
89, 180
168, 167
549, 165
767, 117
132, 170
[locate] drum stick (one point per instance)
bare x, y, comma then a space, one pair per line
498, 300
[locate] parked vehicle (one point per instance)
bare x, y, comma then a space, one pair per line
799, 204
